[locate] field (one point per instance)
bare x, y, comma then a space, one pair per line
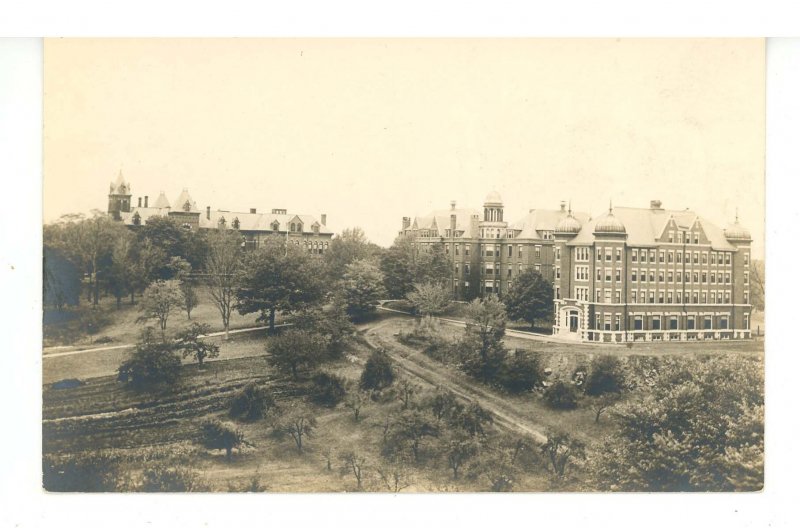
140, 430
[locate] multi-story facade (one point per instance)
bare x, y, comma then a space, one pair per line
486, 251
649, 274
303, 230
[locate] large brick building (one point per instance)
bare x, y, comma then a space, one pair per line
485, 250
651, 274
303, 230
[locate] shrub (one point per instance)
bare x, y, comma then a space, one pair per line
95, 472
520, 372
217, 435
327, 389
378, 373
561, 395
163, 478
605, 376
152, 363
251, 403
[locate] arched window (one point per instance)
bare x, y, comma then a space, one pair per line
275, 225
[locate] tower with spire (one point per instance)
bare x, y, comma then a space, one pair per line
119, 197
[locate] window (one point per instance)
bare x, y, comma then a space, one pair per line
746, 277
582, 254
617, 323
669, 297
582, 273
696, 238
673, 323
598, 295
608, 274
727, 278
727, 297
695, 277
670, 277
633, 296
537, 251
679, 257
617, 296
661, 297
608, 295
707, 322
637, 322
634, 256
489, 250
696, 259
558, 252
713, 297
558, 272
694, 297
747, 297
680, 237
508, 271
679, 277
704, 277
656, 323
519, 268
510, 251
607, 322
746, 321
619, 255
690, 322
458, 249
456, 268
641, 297
727, 259
643, 256
713, 258
671, 237
599, 255
598, 322
670, 257
608, 254
618, 275
660, 276
558, 292
705, 257
599, 275
661, 257
466, 250
703, 297
746, 258
651, 297
713, 278
652, 255
634, 273
652, 276
466, 268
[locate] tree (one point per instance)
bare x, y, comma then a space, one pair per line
398, 267
183, 273
559, 449
700, 427
61, 280
432, 266
348, 246
159, 300
331, 323
166, 234
360, 288
146, 259
444, 405
218, 435
152, 363
758, 290
473, 419
530, 298
354, 462
430, 298
602, 403
521, 372
458, 449
409, 430
252, 403
378, 373
605, 376
482, 344
298, 425
122, 274
394, 473
561, 395
295, 350
191, 342
221, 267
277, 277
406, 392
355, 401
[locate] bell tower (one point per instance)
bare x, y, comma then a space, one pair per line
119, 197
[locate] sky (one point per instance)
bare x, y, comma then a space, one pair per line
369, 131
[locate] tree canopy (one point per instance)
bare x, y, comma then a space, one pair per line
530, 298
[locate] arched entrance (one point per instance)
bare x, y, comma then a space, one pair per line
574, 321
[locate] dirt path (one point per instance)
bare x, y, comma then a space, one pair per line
418, 365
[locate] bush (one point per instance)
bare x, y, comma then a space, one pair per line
217, 435
163, 478
378, 373
327, 389
605, 376
251, 403
561, 395
151, 364
520, 372
80, 472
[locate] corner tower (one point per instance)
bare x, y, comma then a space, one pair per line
119, 197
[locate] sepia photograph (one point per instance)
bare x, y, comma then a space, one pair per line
403, 265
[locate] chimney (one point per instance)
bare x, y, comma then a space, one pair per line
145, 201
252, 210
656, 205
140, 201
323, 219
453, 205
563, 206
208, 212
406, 223
474, 221
453, 222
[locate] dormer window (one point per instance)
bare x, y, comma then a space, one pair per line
187, 206
275, 226
221, 223
316, 229
137, 220
235, 224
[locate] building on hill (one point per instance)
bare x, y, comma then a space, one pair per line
651, 274
302, 230
485, 250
